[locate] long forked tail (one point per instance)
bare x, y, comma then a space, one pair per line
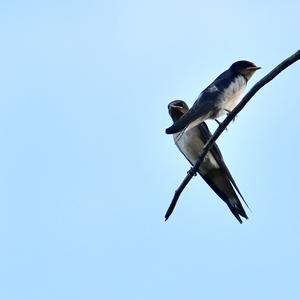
237, 209
221, 185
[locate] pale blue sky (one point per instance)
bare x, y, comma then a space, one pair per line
87, 173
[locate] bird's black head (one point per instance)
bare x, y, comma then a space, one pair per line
177, 108
245, 68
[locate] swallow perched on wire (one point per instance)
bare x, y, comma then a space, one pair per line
213, 169
221, 96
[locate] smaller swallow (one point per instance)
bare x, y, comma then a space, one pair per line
213, 169
220, 97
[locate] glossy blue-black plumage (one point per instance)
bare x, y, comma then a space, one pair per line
207, 105
214, 171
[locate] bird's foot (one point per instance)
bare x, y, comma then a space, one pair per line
219, 123
189, 172
228, 112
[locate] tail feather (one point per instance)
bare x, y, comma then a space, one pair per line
176, 127
237, 209
221, 185
189, 119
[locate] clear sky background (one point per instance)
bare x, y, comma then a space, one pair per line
87, 173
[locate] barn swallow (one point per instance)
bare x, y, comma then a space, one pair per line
213, 169
220, 97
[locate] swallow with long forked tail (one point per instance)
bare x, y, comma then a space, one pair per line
220, 97
213, 169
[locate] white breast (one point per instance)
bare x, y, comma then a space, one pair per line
231, 95
190, 145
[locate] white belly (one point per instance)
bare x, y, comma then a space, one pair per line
232, 95
191, 146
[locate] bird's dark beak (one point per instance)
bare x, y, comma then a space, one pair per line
180, 108
176, 112
253, 68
